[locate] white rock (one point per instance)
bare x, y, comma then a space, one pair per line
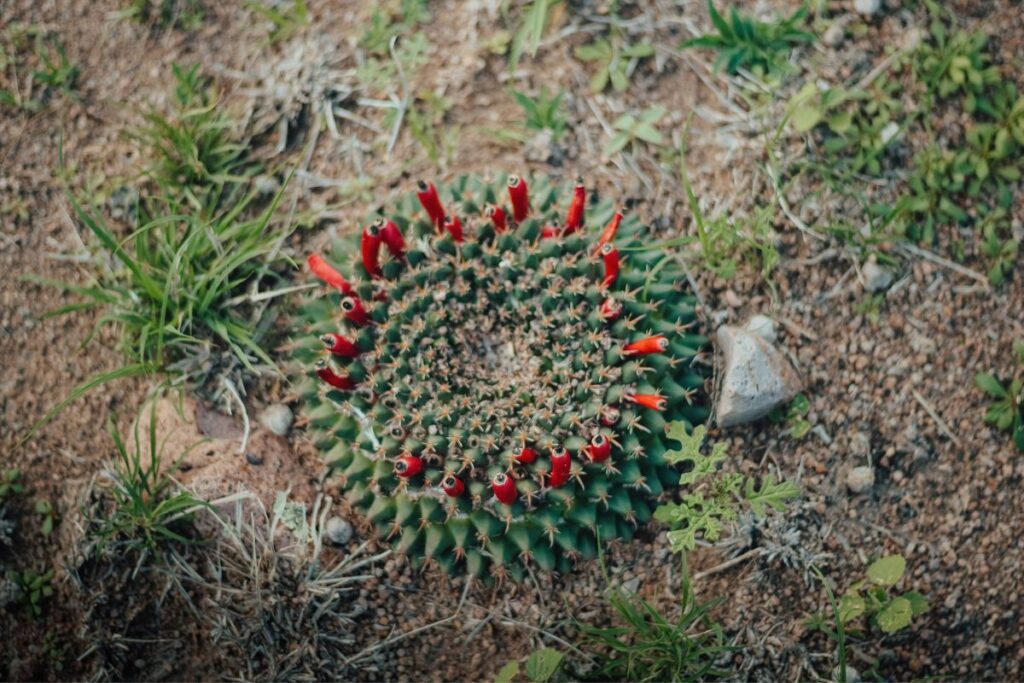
877, 277
867, 7
277, 418
860, 479
338, 531
852, 675
763, 327
834, 35
756, 380
889, 132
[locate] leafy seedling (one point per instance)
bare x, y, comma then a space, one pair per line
285, 22
871, 601
543, 112
540, 667
615, 63
745, 43
1007, 411
631, 130
35, 587
713, 498
11, 484
48, 516
528, 35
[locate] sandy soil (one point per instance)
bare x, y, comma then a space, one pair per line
896, 393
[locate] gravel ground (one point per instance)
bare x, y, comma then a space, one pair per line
895, 393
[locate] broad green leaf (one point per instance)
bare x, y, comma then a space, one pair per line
886, 571
918, 602
508, 672
542, 664
990, 385
618, 141
851, 607
895, 616
771, 494
805, 117
594, 51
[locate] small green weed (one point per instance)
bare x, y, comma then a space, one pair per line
55, 69
164, 14
53, 652
650, 647
543, 112
378, 73
615, 61
32, 57
795, 417
957, 63
285, 21
11, 484
1007, 411
425, 118
391, 20
871, 307
631, 130
48, 516
193, 154
35, 588
712, 498
526, 39
539, 667
870, 601
760, 47
860, 124
724, 242
146, 511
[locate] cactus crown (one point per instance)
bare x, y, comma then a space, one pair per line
496, 393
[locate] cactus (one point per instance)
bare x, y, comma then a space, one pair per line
492, 386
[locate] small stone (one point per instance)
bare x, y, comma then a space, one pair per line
267, 185
757, 378
277, 418
876, 276
852, 675
338, 531
763, 327
539, 147
834, 35
253, 458
631, 586
867, 8
860, 479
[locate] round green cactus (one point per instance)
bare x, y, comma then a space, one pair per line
495, 392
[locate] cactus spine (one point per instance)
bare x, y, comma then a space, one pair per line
490, 369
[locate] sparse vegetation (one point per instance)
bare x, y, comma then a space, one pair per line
712, 499
543, 112
757, 46
615, 63
870, 602
164, 14
1007, 411
146, 509
285, 20
34, 588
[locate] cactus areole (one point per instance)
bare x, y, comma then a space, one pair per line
491, 391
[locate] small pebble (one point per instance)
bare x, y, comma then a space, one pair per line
867, 7
834, 35
852, 675
338, 531
877, 277
860, 479
277, 418
253, 458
